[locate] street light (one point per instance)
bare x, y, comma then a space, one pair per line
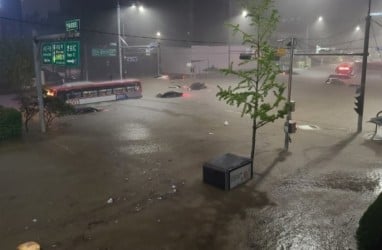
358, 28
232, 19
316, 24
120, 39
158, 34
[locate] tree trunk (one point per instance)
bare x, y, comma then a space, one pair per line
254, 130
26, 126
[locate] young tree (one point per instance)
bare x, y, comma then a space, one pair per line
55, 107
28, 107
258, 91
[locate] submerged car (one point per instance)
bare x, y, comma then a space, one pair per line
343, 79
197, 86
170, 94
347, 73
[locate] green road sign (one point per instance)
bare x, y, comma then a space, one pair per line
61, 53
47, 53
96, 52
72, 50
58, 53
72, 25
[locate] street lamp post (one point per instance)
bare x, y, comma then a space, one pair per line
229, 36
308, 37
364, 68
119, 40
158, 34
289, 114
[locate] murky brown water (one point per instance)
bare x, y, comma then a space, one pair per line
146, 156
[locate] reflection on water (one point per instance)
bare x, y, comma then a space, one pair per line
144, 149
303, 240
376, 175
134, 132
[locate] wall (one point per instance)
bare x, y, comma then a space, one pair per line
175, 60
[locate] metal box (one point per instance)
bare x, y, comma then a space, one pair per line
227, 171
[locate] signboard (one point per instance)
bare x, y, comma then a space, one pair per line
47, 53
240, 175
58, 56
281, 52
148, 51
72, 53
96, 52
132, 59
65, 53
72, 25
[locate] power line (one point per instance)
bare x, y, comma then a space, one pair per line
85, 30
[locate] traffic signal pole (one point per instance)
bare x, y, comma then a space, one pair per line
119, 40
37, 70
289, 114
361, 97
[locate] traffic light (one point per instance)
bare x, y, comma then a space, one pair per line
359, 104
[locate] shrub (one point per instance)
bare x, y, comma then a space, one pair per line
369, 232
10, 123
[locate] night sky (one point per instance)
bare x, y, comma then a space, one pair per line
41, 6
298, 17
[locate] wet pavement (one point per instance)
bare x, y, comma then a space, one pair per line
130, 177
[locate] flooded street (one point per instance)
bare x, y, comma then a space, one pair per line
130, 176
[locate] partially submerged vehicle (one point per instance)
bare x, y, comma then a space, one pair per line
347, 73
197, 86
170, 94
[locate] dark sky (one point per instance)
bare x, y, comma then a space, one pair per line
41, 6
298, 17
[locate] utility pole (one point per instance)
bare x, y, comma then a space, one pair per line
37, 71
158, 58
229, 35
119, 40
364, 69
289, 115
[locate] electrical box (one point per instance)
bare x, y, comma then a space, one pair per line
292, 106
292, 127
245, 56
227, 171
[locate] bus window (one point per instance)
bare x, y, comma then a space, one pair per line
138, 86
131, 88
118, 91
73, 95
103, 92
89, 93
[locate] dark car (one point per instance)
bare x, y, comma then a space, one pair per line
197, 86
344, 79
170, 94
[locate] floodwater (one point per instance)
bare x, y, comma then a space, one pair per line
130, 177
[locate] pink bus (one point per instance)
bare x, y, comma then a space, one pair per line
77, 93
